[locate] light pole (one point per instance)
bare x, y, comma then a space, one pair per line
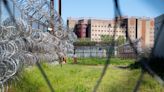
60, 13
60, 7
0, 14
52, 16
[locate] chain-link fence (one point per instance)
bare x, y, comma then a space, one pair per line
146, 63
91, 51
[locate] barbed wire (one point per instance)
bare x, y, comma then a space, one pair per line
21, 45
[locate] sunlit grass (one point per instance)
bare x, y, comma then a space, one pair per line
82, 78
101, 61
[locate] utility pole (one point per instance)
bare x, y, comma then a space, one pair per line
13, 10
60, 7
52, 16
0, 14
60, 13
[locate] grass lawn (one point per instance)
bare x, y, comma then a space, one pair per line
82, 78
101, 61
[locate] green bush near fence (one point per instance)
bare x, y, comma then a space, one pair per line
102, 61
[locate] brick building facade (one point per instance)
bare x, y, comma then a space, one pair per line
135, 28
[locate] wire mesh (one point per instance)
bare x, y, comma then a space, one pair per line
20, 44
141, 59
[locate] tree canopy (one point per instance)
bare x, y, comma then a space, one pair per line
107, 38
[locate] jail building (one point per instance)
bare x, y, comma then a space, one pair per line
132, 27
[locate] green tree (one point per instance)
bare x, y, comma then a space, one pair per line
120, 40
84, 40
106, 38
